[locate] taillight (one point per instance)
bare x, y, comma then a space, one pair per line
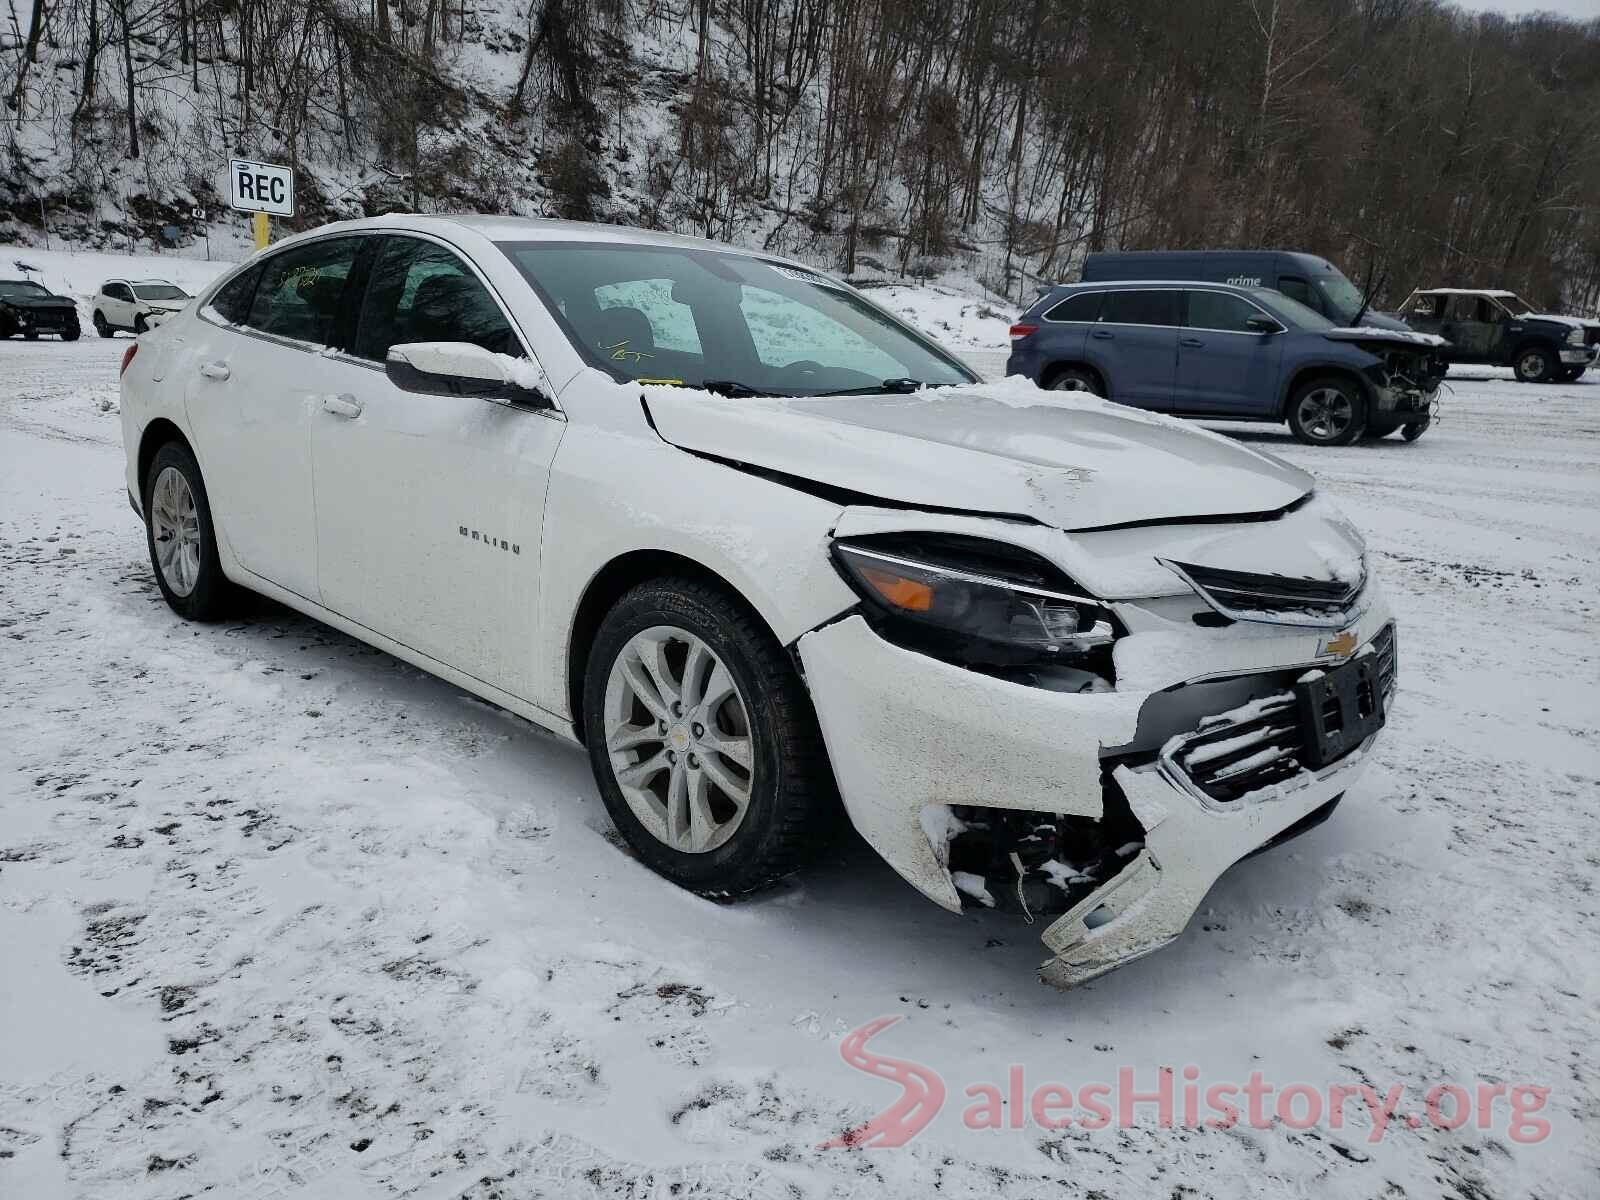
1022, 330
127, 357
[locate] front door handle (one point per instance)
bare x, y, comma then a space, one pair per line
343, 405
1191, 343
1103, 334
215, 370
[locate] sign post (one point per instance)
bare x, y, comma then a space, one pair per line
263, 189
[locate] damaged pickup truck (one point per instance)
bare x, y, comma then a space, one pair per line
764, 548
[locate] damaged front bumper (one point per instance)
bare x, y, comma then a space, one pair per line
913, 738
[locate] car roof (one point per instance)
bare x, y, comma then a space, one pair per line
536, 229
1102, 284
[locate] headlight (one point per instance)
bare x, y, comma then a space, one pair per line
1575, 337
982, 602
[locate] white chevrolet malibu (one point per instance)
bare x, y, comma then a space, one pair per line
764, 550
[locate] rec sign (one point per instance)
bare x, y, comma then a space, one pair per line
260, 187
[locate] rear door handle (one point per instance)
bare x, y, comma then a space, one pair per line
1103, 334
1191, 343
215, 370
343, 405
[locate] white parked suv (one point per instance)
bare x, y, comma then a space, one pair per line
134, 305
763, 548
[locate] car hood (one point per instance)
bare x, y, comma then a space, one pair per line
1373, 333
1372, 319
1065, 459
1554, 319
37, 301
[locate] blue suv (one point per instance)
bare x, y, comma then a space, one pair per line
1234, 353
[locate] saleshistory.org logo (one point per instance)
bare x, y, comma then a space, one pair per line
1189, 1104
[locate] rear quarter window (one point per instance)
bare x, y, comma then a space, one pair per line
1083, 307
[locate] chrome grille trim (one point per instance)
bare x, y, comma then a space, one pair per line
1275, 599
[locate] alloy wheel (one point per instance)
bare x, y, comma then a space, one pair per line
1326, 413
175, 526
678, 739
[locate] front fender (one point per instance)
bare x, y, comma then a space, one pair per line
616, 488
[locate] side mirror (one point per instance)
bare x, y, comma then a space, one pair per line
1261, 324
464, 369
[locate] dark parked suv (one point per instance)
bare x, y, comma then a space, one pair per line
1235, 353
30, 309
1501, 328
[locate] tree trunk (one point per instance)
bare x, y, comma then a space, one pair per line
127, 70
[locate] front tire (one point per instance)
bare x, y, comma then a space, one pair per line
181, 538
703, 740
1328, 411
1416, 429
1536, 364
140, 325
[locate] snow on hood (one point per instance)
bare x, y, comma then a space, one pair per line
1574, 322
1371, 333
1066, 459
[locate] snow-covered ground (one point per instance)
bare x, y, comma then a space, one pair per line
283, 917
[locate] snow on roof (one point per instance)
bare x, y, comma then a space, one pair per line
1464, 292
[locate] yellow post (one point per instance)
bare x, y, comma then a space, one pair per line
261, 230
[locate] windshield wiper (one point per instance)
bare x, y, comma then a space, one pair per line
735, 390
901, 386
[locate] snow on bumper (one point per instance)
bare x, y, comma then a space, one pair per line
906, 732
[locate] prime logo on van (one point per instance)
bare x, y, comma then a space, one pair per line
1246, 281
494, 543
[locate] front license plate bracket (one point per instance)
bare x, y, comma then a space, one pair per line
1340, 709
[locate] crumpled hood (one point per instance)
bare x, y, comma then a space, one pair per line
1065, 459
1371, 333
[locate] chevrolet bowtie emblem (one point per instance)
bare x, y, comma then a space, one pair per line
1340, 643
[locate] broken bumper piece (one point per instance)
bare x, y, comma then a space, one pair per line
911, 738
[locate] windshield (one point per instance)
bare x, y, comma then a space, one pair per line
1291, 311
1344, 297
20, 287
159, 291
726, 322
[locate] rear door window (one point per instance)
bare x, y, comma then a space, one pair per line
1140, 308
233, 299
423, 292
1220, 311
1083, 307
300, 291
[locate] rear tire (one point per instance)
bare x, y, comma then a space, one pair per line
1536, 364
101, 327
1328, 411
1076, 379
71, 335
682, 682
189, 573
